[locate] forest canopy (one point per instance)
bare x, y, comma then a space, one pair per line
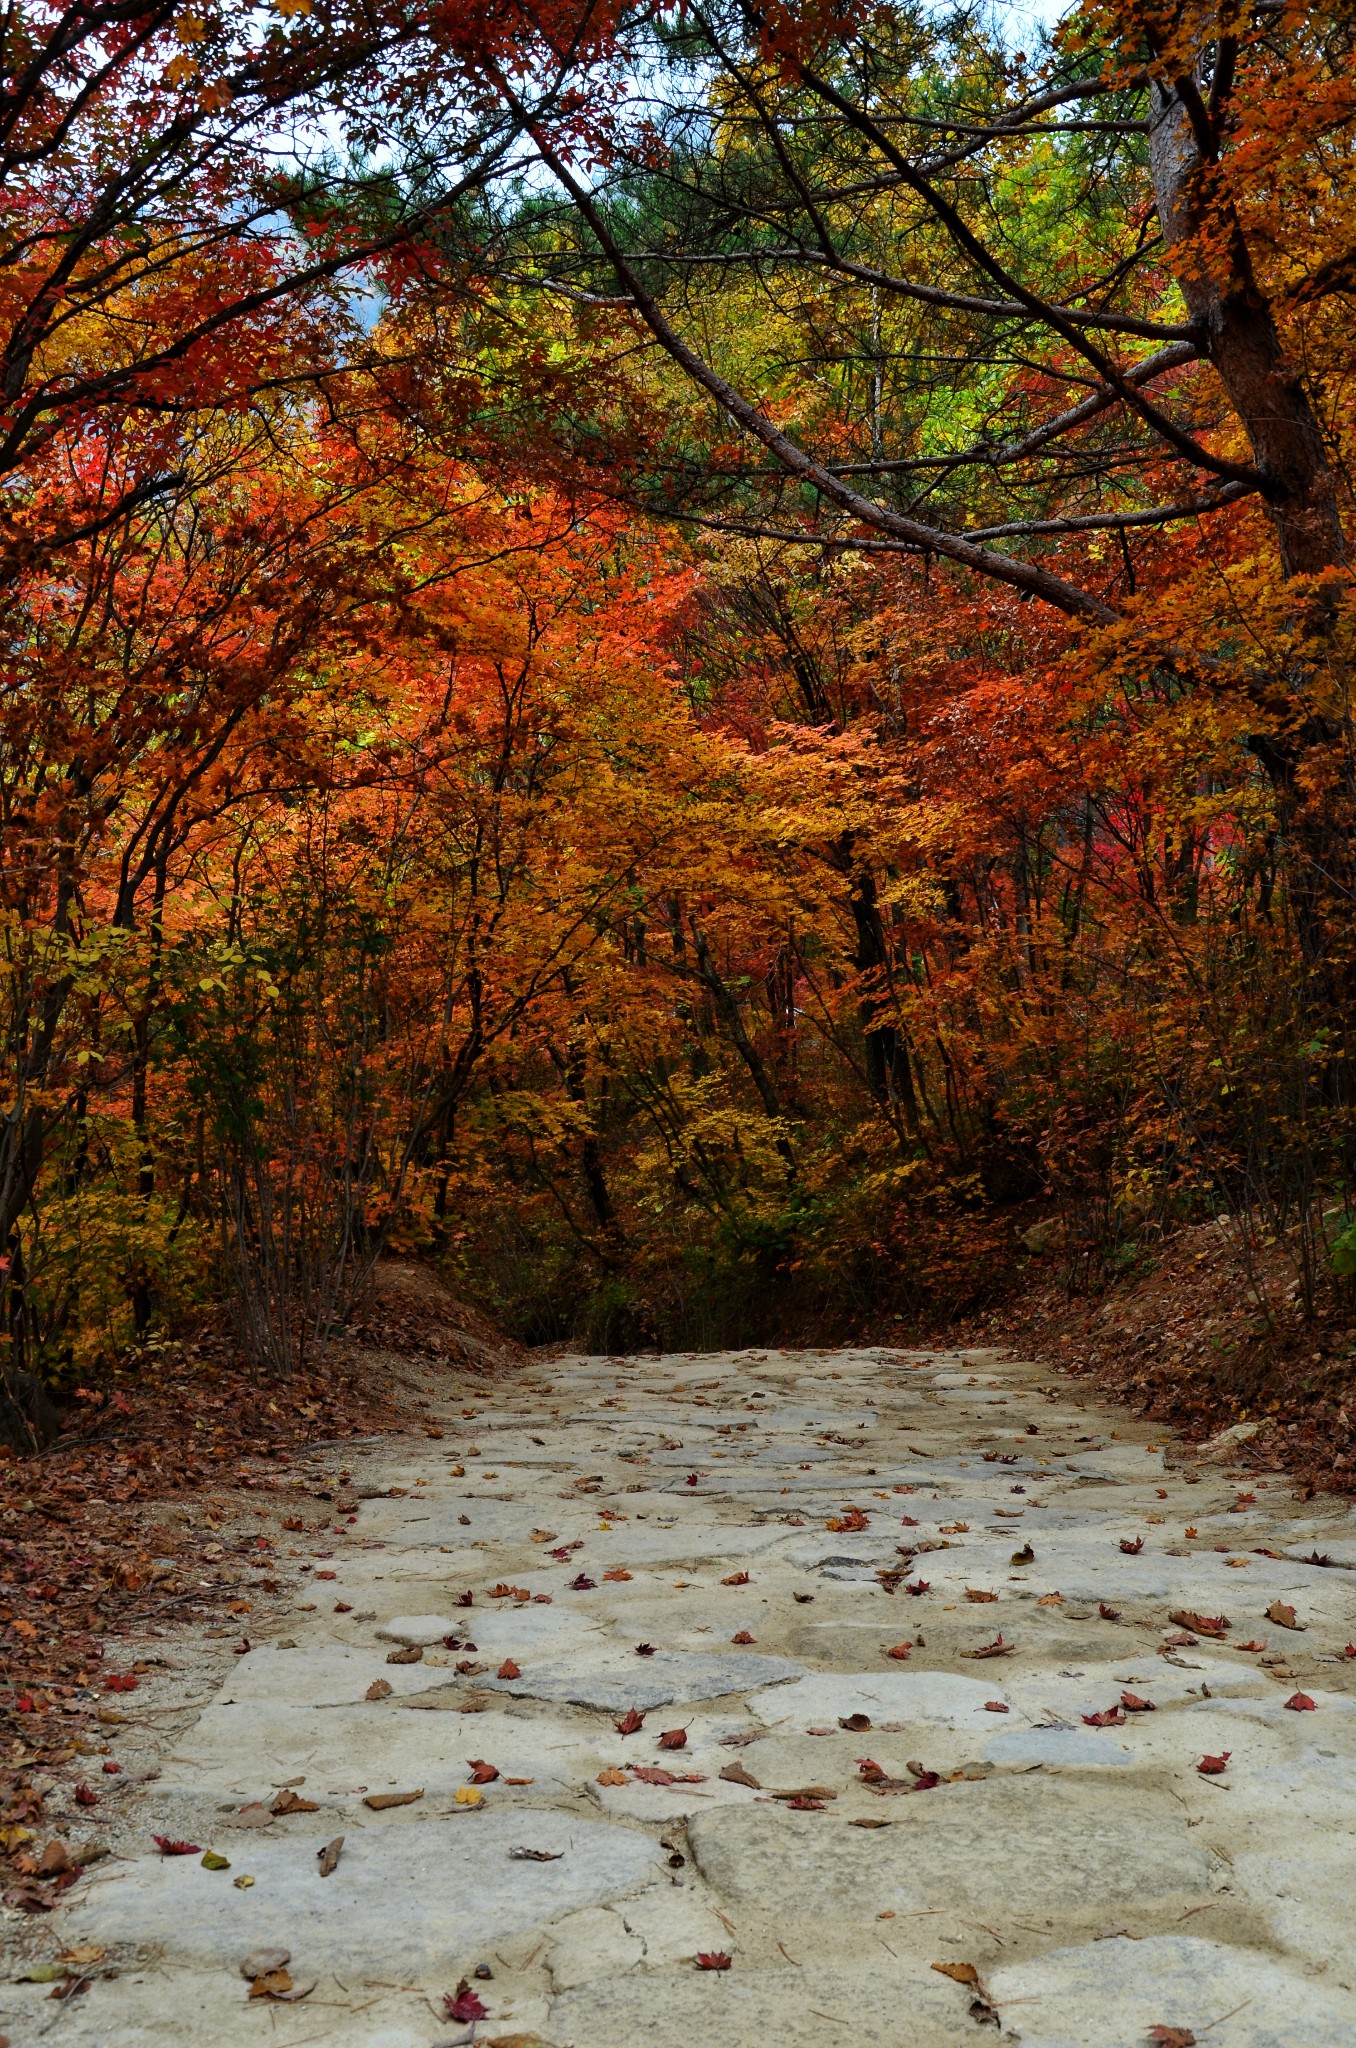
694, 660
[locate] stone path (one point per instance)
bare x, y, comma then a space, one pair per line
751, 1516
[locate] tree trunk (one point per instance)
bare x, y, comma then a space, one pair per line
1237, 330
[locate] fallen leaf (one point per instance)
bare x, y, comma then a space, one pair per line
263, 1961
169, 1847
917, 1586
85, 1797
995, 1707
481, 1772
379, 1689
735, 1774
712, 1959
870, 1823
736, 1579
852, 1520
1051, 1600
469, 1795
1301, 1703
1108, 1613
543, 1535
973, 1593
899, 1651
1200, 1624
1110, 1717
673, 1738
1283, 1616
1132, 1549
953, 1528
508, 1669
582, 1584
997, 1648
1172, 2037
743, 1637
645, 1649
617, 1576
1211, 1766
380, 1801
960, 1973
1133, 1704
270, 1983
535, 1855
411, 1654
630, 1723
211, 1861
856, 1724
1253, 1645
1026, 1555
288, 1802
612, 1776
464, 2004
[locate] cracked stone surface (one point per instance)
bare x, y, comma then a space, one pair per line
1096, 1882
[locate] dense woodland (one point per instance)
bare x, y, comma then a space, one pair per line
696, 661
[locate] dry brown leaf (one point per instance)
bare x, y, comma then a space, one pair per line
1283, 1616
270, 1983
379, 1689
380, 1801
288, 1802
328, 1857
960, 1973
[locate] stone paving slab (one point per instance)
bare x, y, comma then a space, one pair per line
1094, 1879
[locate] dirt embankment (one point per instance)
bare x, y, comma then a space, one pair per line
1199, 1334
145, 1514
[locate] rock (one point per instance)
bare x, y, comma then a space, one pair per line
1109, 1993
664, 1679
942, 1845
594, 1943
760, 2007
412, 1895
419, 1630
1076, 1748
261, 1962
1039, 1238
935, 1698
1228, 1440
